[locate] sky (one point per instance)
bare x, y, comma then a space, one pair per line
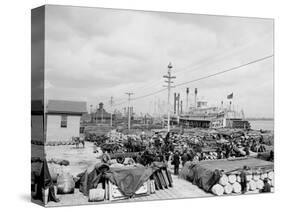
92, 54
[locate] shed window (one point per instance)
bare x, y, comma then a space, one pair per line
63, 122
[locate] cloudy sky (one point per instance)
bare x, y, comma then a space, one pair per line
93, 54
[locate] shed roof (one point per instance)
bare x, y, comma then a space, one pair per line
66, 107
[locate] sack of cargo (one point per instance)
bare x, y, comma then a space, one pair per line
259, 184
218, 190
55, 171
236, 187
270, 175
96, 194
256, 177
65, 184
263, 176
232, 178
65, 169
228, 188
238, 178
252, 185
223, 180
116, 165
249, 177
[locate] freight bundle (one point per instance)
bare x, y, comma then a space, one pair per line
223, 176
105, 182
231, 182
121, 182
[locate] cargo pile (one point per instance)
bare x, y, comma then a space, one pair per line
225, 143
108, 182
222, 177
230, 183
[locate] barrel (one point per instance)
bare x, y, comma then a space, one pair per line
252, 185
218, 190
256, 177
232, 178
228, 188
249, 177
236, 187
238, 178
223, 180
259, 184
263, 176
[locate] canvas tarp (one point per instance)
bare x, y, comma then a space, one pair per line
205, 174
127, 179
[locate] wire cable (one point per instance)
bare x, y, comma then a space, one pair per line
205, 77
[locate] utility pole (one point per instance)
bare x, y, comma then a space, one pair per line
111, 105
169, 82
102, 114
178, 104
91, 113
129, 109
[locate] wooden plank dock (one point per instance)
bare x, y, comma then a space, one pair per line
181, 189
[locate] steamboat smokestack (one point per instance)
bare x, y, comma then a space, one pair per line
181, 107
187, 92
195, 97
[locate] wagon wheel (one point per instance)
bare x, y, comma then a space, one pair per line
120, 159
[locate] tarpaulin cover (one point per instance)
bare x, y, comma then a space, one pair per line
205, 174
91, 180
127, 179
130, 179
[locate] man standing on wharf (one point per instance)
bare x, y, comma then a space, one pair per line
243, 176
176, 162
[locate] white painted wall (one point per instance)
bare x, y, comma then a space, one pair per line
57, 133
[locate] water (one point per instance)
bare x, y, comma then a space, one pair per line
262, 124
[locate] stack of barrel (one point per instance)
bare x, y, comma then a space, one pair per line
230, 183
